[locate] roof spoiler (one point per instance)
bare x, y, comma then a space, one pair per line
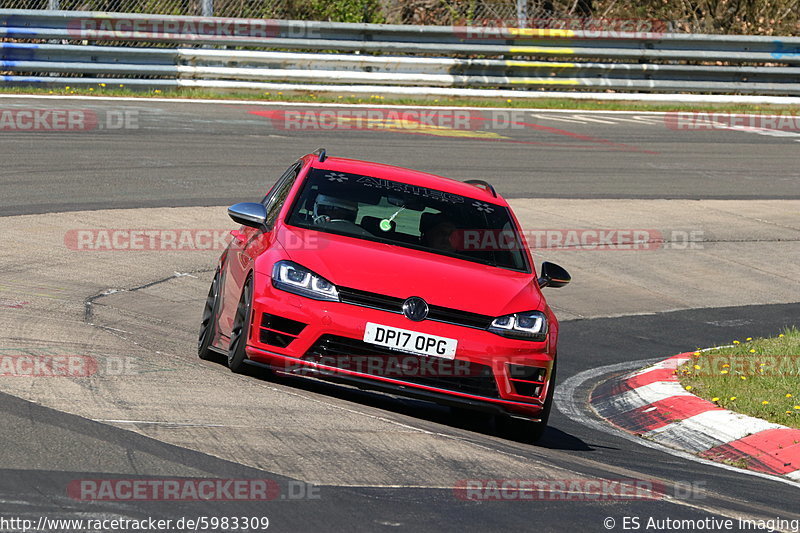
486, 186
321, 155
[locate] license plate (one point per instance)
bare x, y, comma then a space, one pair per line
410, 341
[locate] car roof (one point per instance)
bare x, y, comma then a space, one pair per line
406, 175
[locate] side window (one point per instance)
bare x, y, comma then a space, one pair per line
277, 196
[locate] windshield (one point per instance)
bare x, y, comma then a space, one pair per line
381, 210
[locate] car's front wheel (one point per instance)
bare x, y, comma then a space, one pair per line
528, 430
208, 325
241, 329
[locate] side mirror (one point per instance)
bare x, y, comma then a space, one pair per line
250, 214
553, 276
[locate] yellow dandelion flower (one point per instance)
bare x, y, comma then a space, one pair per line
688, 387
724, 372
715, 399
781, 335
743, 377
509, 100
797, 407
788, 394
765, 402
732, 398
697, 367
749, 338
752, 350
102, 85
736, 342
696, 353
726, 365
67, 87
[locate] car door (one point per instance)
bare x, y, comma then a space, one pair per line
247, 244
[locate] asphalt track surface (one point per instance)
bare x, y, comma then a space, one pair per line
174, 154
183, 154
54, 445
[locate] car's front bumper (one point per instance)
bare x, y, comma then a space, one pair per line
329, 344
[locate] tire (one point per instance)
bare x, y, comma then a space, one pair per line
241, 328
208, 324
528, 430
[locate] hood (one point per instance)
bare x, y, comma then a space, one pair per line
403, 272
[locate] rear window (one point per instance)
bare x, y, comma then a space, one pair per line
381, 210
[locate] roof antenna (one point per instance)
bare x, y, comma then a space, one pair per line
320, 153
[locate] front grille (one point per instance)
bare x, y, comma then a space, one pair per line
370, 299
359, 356
279, 331
395, 305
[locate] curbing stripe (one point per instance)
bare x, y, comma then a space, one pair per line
774, 451
661, 413
651, 403
653, 376
640, 397
693, 432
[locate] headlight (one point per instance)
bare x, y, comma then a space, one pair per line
291, 277
529, 326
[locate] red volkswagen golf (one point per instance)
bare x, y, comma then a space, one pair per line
389, 279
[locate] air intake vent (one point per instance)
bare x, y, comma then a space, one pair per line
279, 331
527, 380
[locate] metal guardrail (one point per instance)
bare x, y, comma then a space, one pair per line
755, 65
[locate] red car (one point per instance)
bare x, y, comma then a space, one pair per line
389, 279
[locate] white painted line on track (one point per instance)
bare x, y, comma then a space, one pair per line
594, 119
565, 402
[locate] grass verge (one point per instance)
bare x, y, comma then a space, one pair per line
376, 99
756, 377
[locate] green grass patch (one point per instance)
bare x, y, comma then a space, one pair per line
757, 377
377, 99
